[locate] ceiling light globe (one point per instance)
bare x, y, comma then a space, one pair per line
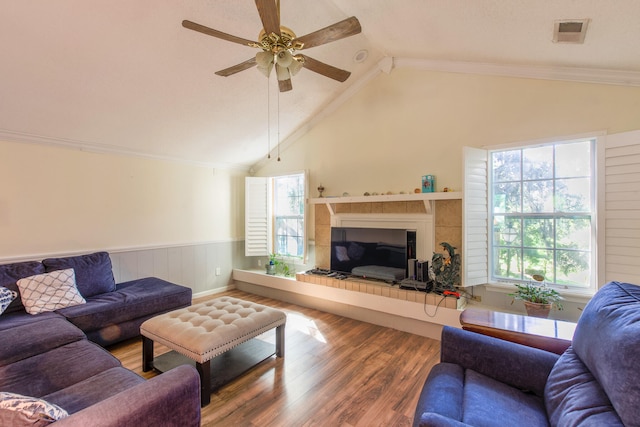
284, 58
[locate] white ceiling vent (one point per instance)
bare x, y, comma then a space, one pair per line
570, 31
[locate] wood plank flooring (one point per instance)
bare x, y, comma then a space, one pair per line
336, 372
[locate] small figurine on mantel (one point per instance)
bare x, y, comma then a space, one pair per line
320, 190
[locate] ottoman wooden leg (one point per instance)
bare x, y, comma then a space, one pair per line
280, 341
204, 370
147, 354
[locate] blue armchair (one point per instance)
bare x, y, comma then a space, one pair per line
485, 381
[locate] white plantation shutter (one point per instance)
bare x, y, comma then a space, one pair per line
474, 218
622, 207
257, 225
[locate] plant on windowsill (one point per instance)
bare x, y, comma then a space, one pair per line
538, 299
278, 267
271, 265
283, 269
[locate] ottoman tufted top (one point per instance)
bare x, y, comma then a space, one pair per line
203, 331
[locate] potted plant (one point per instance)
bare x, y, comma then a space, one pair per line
538, 299
271, 265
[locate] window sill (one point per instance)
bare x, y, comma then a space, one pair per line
572, 295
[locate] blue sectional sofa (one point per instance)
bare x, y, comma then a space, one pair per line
50, 357
485, 381
112, 312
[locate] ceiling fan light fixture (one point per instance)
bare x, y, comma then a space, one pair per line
282, 72
284, 58
296, 65
279, 45
264, 62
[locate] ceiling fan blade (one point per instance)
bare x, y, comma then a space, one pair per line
237, 68
337, 31
219, 34
285, 85
269, 15
324, 69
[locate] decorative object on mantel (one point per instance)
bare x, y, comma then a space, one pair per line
417, 190
445, 271
538, 298
428, 183
320, 190
366, 193
345, 194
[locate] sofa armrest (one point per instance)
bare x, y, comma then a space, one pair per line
170, 399
523, 367
431, 419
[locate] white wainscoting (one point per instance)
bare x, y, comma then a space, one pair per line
192, 265
205, 268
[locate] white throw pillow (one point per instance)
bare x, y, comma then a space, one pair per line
6, 296
19, 410
49, 291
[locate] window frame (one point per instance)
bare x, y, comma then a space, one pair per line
476, 224
260, 216
554, 215
275, 216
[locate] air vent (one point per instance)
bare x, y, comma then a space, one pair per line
570, 31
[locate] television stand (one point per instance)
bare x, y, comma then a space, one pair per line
390, 274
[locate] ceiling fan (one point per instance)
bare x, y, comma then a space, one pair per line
279, 45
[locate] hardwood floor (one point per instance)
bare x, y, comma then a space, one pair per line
336, 372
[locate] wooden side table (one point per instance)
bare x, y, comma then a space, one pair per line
546, 334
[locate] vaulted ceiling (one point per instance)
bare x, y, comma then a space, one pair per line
124, 76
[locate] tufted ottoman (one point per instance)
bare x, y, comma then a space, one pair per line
206, 330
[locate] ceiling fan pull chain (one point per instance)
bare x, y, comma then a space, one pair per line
268, 121
278, 125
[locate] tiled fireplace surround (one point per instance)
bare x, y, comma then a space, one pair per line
447, 228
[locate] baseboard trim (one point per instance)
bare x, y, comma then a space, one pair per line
213, 291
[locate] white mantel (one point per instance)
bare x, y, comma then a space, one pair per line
427, 198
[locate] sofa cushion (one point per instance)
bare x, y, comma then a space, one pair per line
17, 318
94, 274
131, 300
573, 396
56, 369
17, 410
456, 394
36, 337
94, 389
11, 273
443, 392
49, 291
6, 297
487, 402
607, 340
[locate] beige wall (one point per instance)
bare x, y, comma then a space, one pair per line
56, 200
399, 127
410, 123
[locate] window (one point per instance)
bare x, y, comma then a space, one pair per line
545, 219
275, 216
542, 213
288, 208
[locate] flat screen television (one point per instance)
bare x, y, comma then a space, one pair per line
378, 253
